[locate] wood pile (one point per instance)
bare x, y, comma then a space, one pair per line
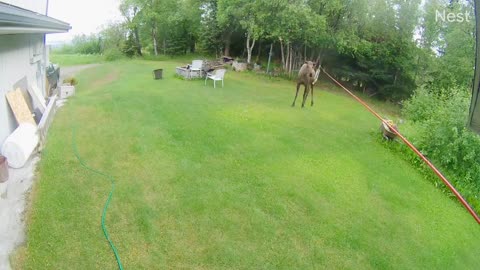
209, 66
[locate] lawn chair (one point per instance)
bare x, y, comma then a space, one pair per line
196, 68
216, 75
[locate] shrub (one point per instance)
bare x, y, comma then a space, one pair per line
64, 49
440, 120
71, 81
112, 55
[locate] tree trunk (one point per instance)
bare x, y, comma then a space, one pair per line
291, 59
417, 69
259, 51
137, 41
319, 60
192, 45
296, 57
287, 62
249, 48
226, 52
305, 53
227, 43
249, 53
136, 33
287, 56
269, 57
164, 46
318, 57
295, 61
283, 54
154, 37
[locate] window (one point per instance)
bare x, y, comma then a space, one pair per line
36, 50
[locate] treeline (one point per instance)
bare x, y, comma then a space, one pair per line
386, 48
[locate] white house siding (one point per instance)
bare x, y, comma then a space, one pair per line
22, 63
39, 6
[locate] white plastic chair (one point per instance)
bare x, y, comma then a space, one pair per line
196, 67
197, 64
217, 75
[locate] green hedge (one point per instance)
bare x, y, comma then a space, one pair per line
440, 118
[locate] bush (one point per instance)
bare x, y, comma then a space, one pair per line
440, 120
112, 55
81, 44
70, 81
64, 49
86, 44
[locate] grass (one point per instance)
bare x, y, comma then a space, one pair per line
232, 178
75, 59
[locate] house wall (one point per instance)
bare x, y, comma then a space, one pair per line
22, 63
39, 6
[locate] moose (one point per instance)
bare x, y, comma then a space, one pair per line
307, 76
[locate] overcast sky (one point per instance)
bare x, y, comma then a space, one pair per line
85, 16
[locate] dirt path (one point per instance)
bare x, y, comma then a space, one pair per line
66, 72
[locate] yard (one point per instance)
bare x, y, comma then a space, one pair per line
232, 178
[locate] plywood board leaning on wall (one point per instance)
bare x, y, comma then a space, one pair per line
19, 107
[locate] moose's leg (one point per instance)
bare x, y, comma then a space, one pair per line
305, 94
311, 87
298, 87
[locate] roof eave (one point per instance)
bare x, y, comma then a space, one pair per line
12, 17
28, 30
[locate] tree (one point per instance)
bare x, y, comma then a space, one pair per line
150, 14
129, 10
113, 40
211, 37
382, 47
228, 19
252, 20
449, 45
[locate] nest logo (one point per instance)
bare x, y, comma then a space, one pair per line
444, 16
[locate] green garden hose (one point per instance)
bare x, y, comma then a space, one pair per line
107, 203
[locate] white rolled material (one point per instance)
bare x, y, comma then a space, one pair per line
19, 146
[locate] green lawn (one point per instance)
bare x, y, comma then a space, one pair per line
75, 59
232, 178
